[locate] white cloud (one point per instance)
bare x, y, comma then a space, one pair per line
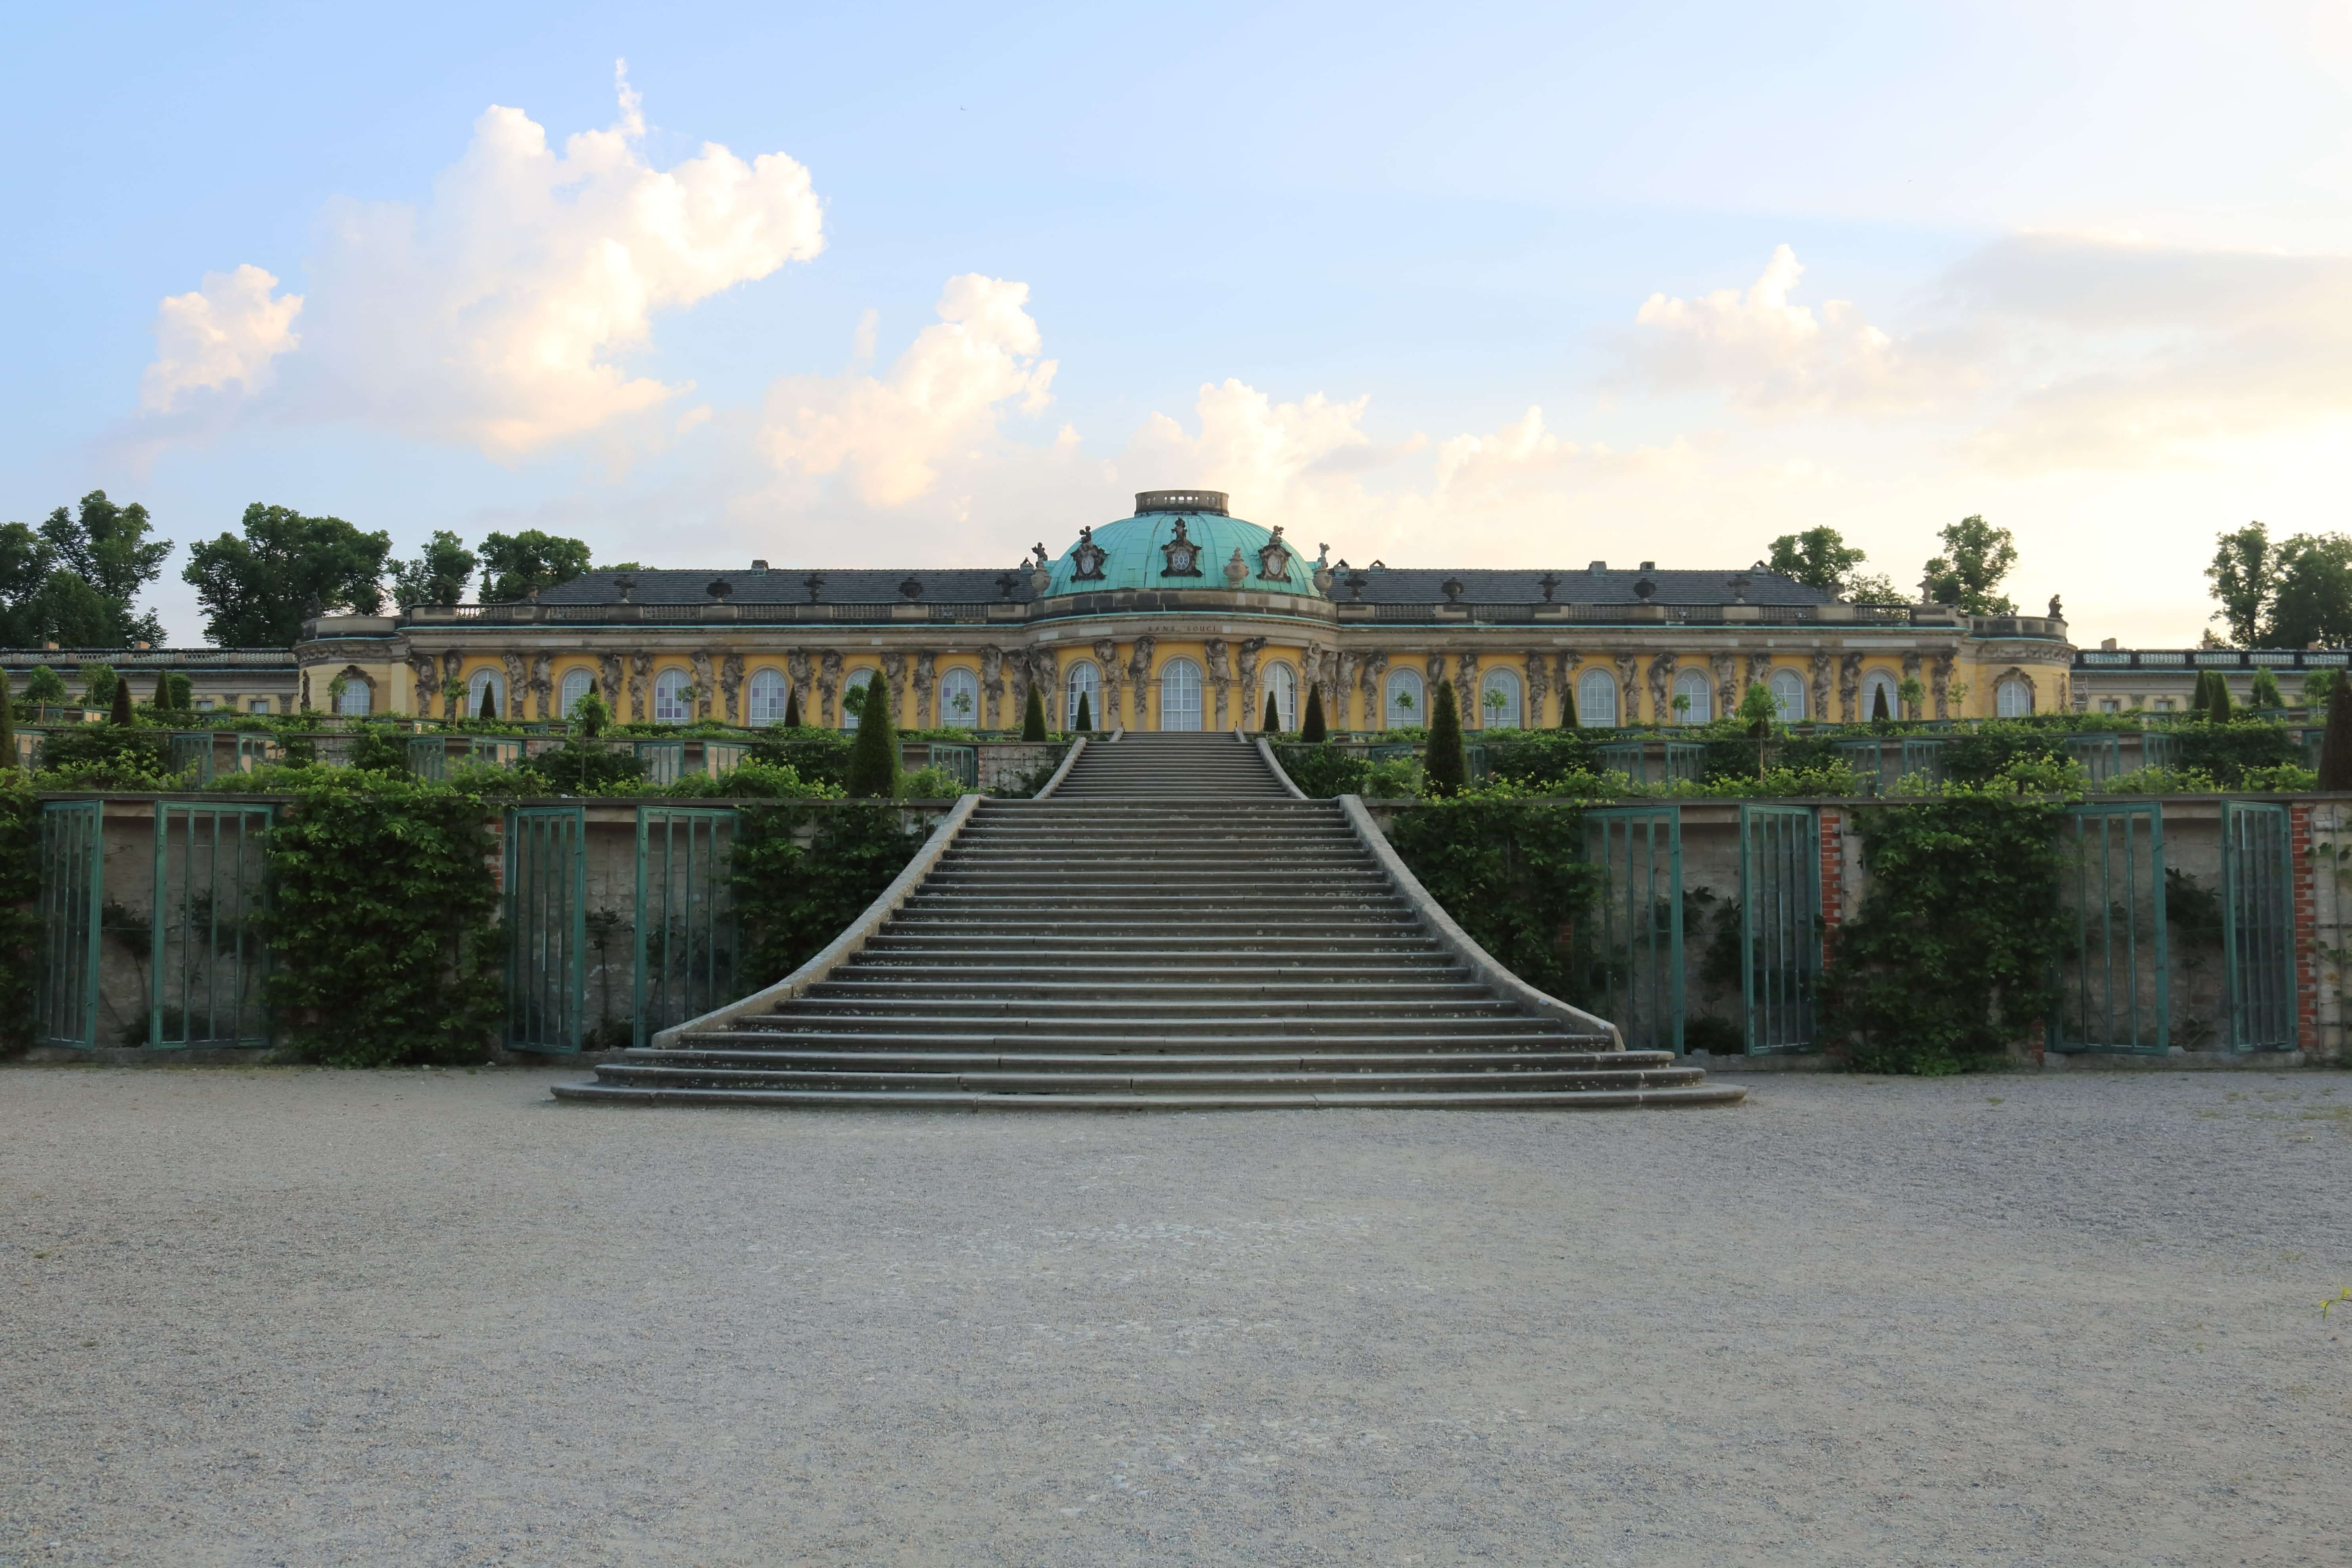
1767, 354
499, 314
890, 436
227, 331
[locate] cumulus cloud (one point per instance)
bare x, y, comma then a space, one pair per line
889, 436
498, 314
224, 333
1769, 355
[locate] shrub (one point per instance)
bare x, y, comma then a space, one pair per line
1324, 771
1512, 873
2224, 749
577, 769
20, 838
44, 685
772, 781
1084, 719
820, 755
1397, 779
1032, 716
934, 784
1448, 767
874, 754
1311, 727
791, 900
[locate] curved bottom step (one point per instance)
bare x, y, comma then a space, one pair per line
926, 1100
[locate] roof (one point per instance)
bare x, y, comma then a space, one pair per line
960, 585
1135, 554
1426, 585
147, 658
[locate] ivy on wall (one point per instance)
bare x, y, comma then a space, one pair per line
1512, 873
792, 898
1950, 958
384, 924
20, 834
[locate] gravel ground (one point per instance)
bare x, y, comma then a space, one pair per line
266, 1317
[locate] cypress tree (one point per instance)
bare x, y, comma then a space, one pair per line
121, 714
1273, 724
1568, 715
792, 709
2200, 696
874, 755
1447, 767
2265, 692
7, 725
2220, 710
1311, 728
490, 703
1033, 718
1878, 706
2336, 743
1085, 717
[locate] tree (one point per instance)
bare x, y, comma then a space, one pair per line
515, 567
591, 715
98, 684
2336, 744
45, 685
1820, 557
1913, 694
2264, 691
257, 591
490, 708
1759, 710
73, 579
173, 693
2316, 685
2217, 700
792, 710
1568, 718
874, 755
437, 576
121, 710
1084, 719
1447, 766
1311, 727
1033, 716
2244, 575
1273, 724
1878, 713
2311, 601
1976, 557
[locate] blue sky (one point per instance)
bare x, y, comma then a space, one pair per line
1485, 286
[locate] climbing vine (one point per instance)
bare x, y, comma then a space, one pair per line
1950, 958
1512, 873
384, 924
20, 824
792, 898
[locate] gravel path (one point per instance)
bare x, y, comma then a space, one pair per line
314, 1318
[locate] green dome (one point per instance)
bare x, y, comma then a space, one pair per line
1136, 553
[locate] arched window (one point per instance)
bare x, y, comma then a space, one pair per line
1693, 683
2013, 698
856, 681
1876, 684
354, 698
1282, 685
484, 681
1082, 679
576, 685
958, 699
771, 696
671, 704
1789, 695
1596, 700
1498, 700
1180, 695
1406, 707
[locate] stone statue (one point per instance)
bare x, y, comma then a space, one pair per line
1629, 686
1849, 688
927, 665
1465, 691
828, 684
802, 672
1821, 695
542, 683
608, 666
1728, 689
1910, 673
2057, 610
1375, 665
1107, 659
1940, 682
1538, 679
1139, 669
1221, 678
453, 683
704, 684
991, 686
1661, 670
517, 683
731, 684
1253, 703
641, 670
894, 674
426, 672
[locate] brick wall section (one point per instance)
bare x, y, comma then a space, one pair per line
2306, 926
1832, 854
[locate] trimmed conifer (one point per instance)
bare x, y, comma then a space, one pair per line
7, 726
792, 709
1568, 719
1085, 717
2335, 742
1273, 724
874, 755
1447, 766
2200, 696
1878, 706
121, 712
2218, 710
490, 708
1033, 718
1311, 728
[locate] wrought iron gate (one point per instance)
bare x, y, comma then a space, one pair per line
207, 959
1636, 972
1779, 925
2115, 981
2258, 925
73, 892
686, 914
547, 927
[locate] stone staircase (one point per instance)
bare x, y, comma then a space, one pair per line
1168, 930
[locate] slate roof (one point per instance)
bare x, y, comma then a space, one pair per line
1384, 585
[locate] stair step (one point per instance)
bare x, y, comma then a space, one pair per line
1402, 1100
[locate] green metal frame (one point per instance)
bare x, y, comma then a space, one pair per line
428, 757
723, 755
2258, 925
496, 752
205, 950
963, 761
1779, 925
1867, 760
1621, 756
547, 927
2102, 755
1923, 759
1637, 976
2159, 748
665, 760
685, 962
257, 751
72, 894
2119, 997
191, 749
1685, 762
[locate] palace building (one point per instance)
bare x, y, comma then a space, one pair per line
1184, 617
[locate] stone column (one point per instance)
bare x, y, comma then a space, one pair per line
800, 670
991, 686
1941, 681
731, 684
609, 669
927, 665
894, 675
641, 670
542, 682
1822, 664
1139, 670
1849, 688
1661, 699
1106, 661
1538, 679
1221, 677
453, 683
703, 683
1629, 686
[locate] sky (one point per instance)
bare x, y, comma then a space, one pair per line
1481, 284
